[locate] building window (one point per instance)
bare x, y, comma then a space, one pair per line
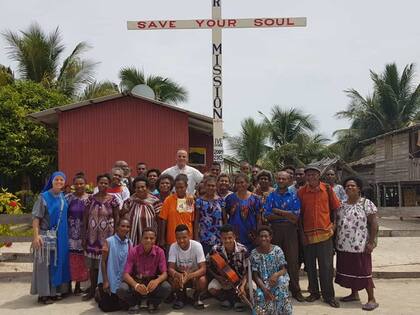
388, 148
415, 144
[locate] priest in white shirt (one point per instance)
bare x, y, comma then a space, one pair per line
181, 167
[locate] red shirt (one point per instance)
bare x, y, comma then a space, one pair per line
141, 264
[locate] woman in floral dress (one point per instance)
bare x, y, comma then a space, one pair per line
141, 209
268, 266
100, 217
77, 204
355, 240
209, 216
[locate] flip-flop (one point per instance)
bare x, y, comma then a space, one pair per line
370, 306
349, 298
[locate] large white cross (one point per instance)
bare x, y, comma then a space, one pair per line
216, 24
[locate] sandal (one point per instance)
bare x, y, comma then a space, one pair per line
45, 300
333, 303
198, 305
225, 305
350, 298
152, 308
134, 309
77, 291
369, 306
87, 296
312, 298
178, 304
239, 307
57, 298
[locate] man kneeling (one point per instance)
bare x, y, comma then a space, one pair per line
145, 275
228, 255
114, 257
186, 268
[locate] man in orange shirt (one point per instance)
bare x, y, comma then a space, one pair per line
318, 206
177, 209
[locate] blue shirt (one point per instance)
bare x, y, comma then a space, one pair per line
117, 257
287, 201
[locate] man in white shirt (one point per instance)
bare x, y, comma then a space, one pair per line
181, 167
186, 268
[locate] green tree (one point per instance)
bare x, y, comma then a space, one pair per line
98, 89
166, 90
26, 147
394, 103
6, 75
38, 56
250, 145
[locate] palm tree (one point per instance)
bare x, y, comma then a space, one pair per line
165, 89
250, 145
291, 133
38, 57
98, 89
303, 150
394, 103
285, 126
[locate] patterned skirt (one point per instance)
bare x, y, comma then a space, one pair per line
354, 270
78, 270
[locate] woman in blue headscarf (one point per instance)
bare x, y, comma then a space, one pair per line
51, 272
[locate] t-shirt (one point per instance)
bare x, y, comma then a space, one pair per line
187, 260
175, 211
193, 174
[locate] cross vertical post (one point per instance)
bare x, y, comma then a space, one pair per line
217, 82
217, 24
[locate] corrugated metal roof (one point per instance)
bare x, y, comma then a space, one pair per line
50, 116
393, 132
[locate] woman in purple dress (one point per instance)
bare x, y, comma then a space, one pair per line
100, 216
77, 202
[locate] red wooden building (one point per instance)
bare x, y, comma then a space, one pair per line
93, 134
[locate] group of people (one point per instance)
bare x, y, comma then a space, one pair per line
241, 238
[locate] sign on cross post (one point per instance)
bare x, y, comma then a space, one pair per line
216, 24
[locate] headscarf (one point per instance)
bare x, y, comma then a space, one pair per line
49, 184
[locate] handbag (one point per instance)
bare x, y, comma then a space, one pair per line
49, 241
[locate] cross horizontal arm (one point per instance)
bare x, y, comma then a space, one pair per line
213, 24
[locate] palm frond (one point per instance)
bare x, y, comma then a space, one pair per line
130, 77
98, 89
